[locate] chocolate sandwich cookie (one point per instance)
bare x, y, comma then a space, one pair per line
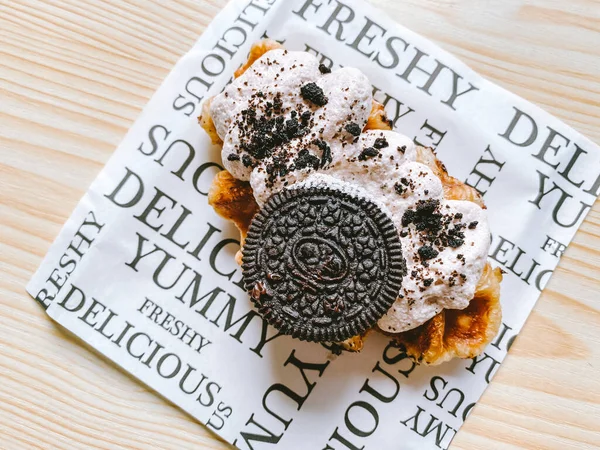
321, 264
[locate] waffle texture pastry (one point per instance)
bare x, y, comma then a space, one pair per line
452, 333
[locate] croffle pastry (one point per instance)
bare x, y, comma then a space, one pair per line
347, 227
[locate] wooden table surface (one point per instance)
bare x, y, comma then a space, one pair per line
73, 77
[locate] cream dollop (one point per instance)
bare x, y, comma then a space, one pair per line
276, 79
277, 137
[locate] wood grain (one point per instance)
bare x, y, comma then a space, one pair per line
73, 77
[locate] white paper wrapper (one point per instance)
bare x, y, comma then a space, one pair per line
144, 270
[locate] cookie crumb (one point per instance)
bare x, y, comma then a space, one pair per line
313, 93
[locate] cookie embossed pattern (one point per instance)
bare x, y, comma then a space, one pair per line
157, 288
322, 265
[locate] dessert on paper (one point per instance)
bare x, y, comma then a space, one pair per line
148, 274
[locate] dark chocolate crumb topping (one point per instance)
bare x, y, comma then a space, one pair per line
425, 217
305, 118
269, 131
399, 189
306, 159
380, 143
247, 161
313, 93
436, 230
326, 157
324, 69
427, 252
367, 153
353, 128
